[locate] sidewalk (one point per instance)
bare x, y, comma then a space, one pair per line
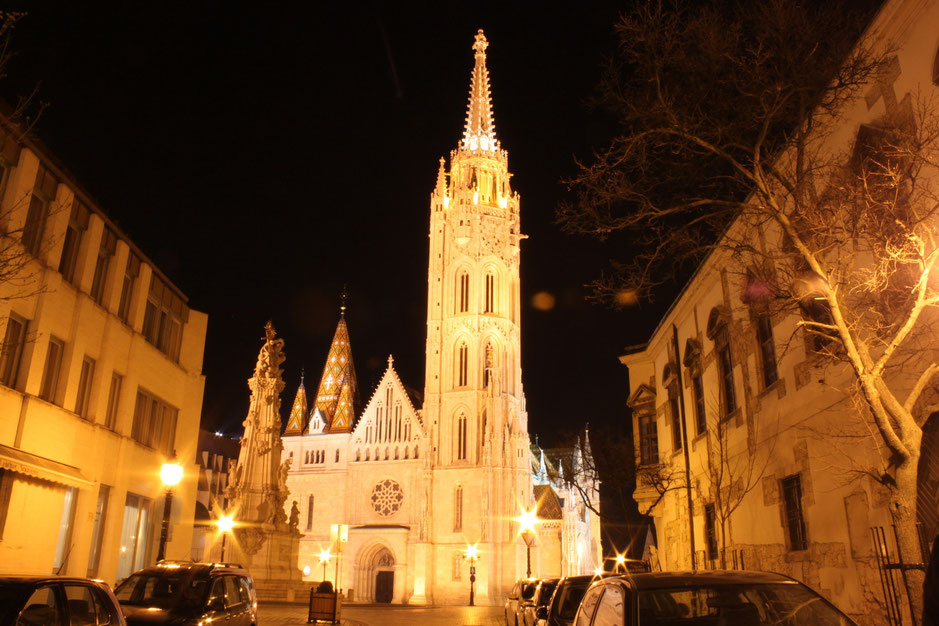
276, 614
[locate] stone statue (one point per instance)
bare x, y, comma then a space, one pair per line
294, 516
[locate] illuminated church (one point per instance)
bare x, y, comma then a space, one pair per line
419, 478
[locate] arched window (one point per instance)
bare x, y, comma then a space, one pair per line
309, 512
462, 365
337, 456
415, 452
387, 456
489, 306
398, 422
368, 456
396, 453
458, 509
407, 452
461, 437
462, 293
358, 455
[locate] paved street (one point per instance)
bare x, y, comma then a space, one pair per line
386, 615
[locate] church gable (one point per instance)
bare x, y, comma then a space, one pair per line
389, 428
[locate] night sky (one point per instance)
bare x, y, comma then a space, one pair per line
264, 158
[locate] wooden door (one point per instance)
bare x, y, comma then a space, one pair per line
384, 586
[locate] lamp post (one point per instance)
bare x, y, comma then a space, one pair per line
325, 556
171, 473
472, 553
527, 521
225, 523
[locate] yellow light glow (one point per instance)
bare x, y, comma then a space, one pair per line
475, 197
171, 474
620, 559
446, 202
503, 202
472, 552
225, 523
527, 521
306, 570
325, 555
598, 571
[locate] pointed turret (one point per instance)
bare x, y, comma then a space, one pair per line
296, 423
337, 395
480, 130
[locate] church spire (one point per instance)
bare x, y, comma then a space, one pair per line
296, 423
337, 395
480, 130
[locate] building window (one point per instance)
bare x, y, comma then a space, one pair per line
6, 488
795, 522
101, 510
309, 512
648, 440
105, 252
131, 272
463, 293
82, 400
43, 194
48, 390
675, 415
718, 332
154, 422
134, 535
490, 304
114, 399
66, 524
458, 509
77, 225
13, 343
458, 566
710, 531
700, 413
461, 438
164, 318
764, 337
462, 366
337, 456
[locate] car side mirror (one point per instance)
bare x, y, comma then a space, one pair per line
541, 612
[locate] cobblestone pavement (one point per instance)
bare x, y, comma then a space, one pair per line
270, 614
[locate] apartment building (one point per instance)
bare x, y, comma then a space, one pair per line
100, 382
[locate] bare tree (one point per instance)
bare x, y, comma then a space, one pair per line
727, 117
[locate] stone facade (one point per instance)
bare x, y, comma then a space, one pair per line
791, 449
102, 382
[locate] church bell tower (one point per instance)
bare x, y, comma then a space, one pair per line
474, 405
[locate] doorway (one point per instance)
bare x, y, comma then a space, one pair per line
384, 586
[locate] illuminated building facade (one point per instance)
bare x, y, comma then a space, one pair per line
101, 382
419, 477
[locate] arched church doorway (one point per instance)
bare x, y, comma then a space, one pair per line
377, 574
927, 489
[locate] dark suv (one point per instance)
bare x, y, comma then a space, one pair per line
182, 592
58, 600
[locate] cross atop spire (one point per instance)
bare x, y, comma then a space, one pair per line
480, 130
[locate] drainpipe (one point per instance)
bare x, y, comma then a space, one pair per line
684, 440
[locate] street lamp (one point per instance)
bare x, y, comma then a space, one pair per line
225, 523
472, 553
171, 473
325, 556
621, 562
527, 521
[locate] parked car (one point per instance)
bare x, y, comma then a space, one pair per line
706, 598
539, 598
183, 592
520, 594
57, 601
561, 607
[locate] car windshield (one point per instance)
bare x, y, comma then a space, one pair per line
12, 596
163, 590
568, 599
785, 604
545, 591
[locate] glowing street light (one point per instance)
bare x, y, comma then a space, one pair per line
472, 553
621, 562
527, 521
325, 556
171, 473
225, 524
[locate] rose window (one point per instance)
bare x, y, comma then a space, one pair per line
387, 497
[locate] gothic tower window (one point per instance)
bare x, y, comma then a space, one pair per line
461, 437
490, 303
462, 365
458, 509
462, 295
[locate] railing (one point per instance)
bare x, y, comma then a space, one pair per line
893, 571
